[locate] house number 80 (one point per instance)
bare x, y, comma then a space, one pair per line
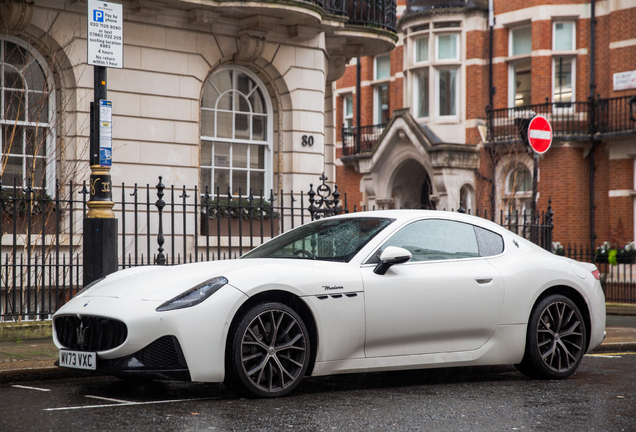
308, 140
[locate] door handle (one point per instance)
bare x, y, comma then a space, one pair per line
483, 280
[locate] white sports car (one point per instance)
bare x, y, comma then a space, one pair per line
375, 291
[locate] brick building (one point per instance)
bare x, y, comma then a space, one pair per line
428, 139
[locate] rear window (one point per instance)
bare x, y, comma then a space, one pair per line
490, 243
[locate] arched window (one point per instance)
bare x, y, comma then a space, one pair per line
519, 180
467, 198
235, 134
518, 196
28, 155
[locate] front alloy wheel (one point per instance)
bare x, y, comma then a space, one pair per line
270, 353
556, 339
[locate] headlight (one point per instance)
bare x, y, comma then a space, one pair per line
195, 295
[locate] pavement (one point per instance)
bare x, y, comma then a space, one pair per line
33, 359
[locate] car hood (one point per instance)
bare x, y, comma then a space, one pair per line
162, 283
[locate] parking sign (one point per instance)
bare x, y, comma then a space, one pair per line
105, 34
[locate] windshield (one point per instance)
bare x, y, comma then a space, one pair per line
327, 240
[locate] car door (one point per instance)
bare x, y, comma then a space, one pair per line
448, 297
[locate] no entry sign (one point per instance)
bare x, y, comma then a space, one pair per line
540, 134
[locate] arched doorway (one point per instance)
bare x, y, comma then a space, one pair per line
412, 186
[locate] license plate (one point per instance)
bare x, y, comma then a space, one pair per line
78, 359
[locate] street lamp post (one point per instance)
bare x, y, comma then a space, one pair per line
105, 49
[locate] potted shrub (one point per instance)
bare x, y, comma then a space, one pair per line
627, 255
16, 210
225, 216
558, 249
602, 253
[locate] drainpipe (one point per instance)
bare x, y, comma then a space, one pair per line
491, 92
592, 119
358, 77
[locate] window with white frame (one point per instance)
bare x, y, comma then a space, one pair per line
447, 46
435, 61
448, 91
27, 137
421, 79
348, 112
563, 63
381, 91
421, 49
520, 75
235, 134
421, 99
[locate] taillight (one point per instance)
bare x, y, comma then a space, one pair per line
596, 274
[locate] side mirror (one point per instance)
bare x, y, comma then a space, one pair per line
390, 256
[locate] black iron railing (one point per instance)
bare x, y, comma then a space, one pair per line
369, 135
336, 7
375, 13
569, 120
426, 5
617, 276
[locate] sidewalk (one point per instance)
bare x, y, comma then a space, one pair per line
32, 360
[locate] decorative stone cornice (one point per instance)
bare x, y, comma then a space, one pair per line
336, 67
16, 14
250, 47
202, 16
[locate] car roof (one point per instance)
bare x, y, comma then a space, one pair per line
402, 216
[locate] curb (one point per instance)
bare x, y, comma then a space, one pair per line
40, 374
620, 309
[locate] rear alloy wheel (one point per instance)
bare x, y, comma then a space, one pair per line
270, 351
556, 339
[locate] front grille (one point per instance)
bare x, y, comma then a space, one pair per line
89, 333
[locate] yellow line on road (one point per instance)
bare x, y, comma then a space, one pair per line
610, 354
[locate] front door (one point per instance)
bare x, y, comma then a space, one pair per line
447, 298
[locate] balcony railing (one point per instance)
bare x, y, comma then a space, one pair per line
425, 5
374, 13
569, 120
369, 135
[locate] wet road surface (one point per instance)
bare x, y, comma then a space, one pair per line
601, 396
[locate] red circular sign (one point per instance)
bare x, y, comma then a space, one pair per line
540, 134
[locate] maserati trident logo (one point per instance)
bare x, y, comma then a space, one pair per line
81, 334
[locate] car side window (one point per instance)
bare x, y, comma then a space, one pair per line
436, 239
490, 243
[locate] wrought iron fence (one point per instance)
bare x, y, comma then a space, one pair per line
617, 276
569, 120
369, 135
42, 263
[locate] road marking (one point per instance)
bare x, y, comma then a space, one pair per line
609, 355
106, 399
124, 403
30, 388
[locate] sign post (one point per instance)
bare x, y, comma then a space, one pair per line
540, 138
105, 49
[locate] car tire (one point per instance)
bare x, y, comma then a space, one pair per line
555, 341
269, 351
